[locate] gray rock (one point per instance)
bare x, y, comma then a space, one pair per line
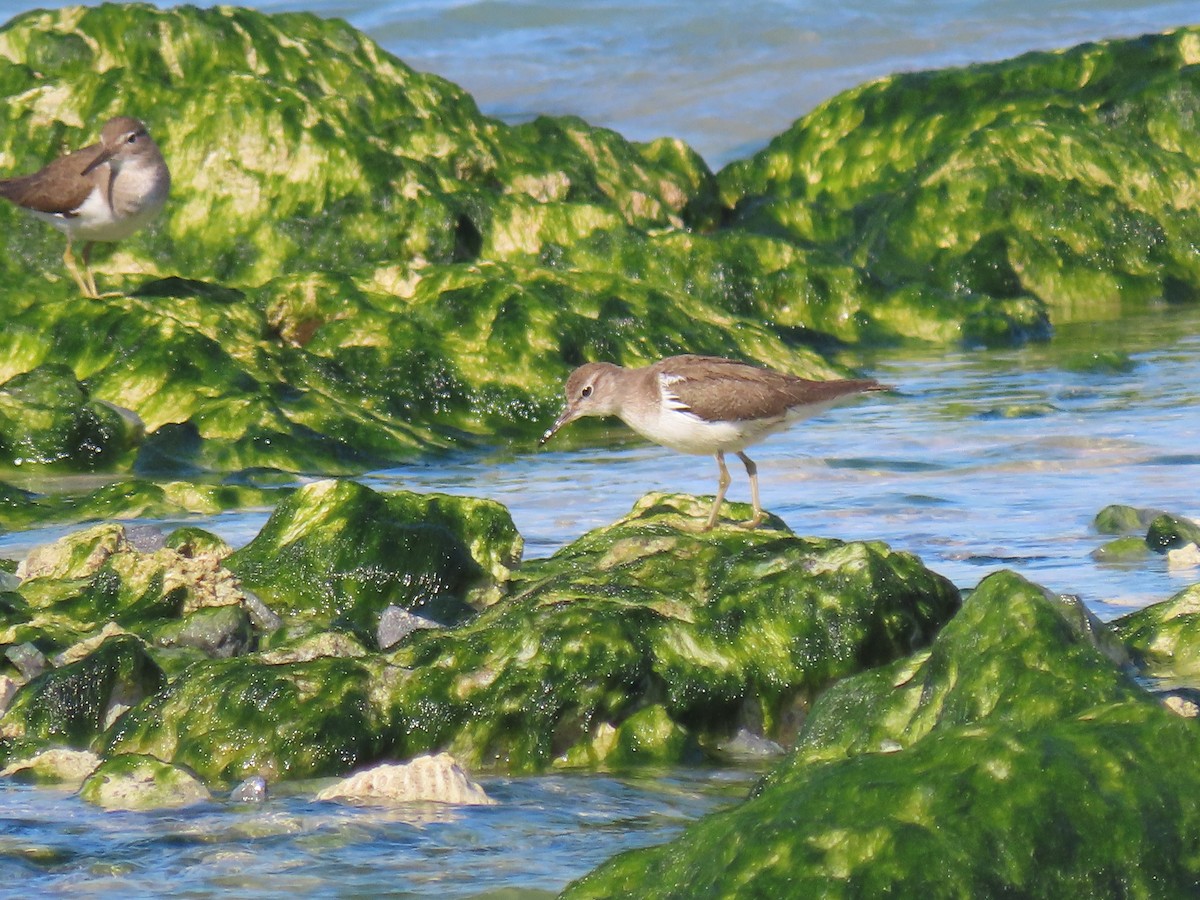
29, 660
396, 623
252, 790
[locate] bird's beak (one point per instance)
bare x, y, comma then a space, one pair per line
105, 156
567, 416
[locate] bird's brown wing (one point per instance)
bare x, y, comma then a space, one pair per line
715, 388
58, 188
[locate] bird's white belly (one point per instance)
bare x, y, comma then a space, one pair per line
688, 433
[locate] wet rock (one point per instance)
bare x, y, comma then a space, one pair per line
1164, 638
336, 552
426, 779
57, 765
218, 632
1168, 532
252, 790
649, 616
74, 704
132, 782
230, 719
907, 778
48, 419
396, 623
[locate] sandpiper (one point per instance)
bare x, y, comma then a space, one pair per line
703, 404
104, 192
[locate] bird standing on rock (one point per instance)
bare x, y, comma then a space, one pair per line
104, 192
703, 404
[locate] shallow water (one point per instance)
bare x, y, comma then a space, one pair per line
981, 460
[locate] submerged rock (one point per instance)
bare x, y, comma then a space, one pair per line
426, 779
58, 765
1011, 757
131, 782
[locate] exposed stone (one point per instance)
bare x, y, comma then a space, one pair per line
429, 779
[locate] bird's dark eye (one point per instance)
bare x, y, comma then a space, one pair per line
586, 392
133, 138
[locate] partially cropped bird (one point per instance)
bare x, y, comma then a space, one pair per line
703, 404
104, 192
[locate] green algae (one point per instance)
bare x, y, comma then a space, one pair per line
1164, 638
722, 630
610, 654
75, 703
338, 552
137, 782
357, 267
1011, 757
229, 719
127, 499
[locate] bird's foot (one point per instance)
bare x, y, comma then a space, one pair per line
754, 521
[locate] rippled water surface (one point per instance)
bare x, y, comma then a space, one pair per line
980, 460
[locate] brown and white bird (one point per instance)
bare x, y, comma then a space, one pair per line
703, 404
104, 192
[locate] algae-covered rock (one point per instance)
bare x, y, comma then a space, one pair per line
1011, 758
77, 702
96, 578
1168, 532
662, 637
230, 719
1046, 184
129, 499
48, 420
1164, 638
339, 552
131, 782
353, 267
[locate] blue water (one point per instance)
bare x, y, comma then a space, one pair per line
981, 460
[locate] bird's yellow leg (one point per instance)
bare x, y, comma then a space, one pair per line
73, 270
722, 486
752, 471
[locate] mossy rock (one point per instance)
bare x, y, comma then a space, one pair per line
1168, 532
1012, 757
715, 631
362, 268
48, 421
1046, 182
1117, 518
230, 719
74, 704
338, 552
1164, 638
142, 783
